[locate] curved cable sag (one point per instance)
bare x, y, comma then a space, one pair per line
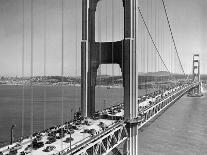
153, 42
168, 21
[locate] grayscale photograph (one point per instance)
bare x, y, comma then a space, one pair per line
103, 77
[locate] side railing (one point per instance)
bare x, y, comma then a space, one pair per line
101, 143
153, 110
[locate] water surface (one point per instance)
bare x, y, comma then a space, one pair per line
180, 130
58, 102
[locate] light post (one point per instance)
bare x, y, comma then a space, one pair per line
104, 104
70, 141
12, 133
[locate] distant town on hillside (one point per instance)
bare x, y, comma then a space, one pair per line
104, 80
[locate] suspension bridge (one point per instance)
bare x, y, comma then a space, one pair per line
141, 44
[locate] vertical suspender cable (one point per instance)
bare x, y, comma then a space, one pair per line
76, 49
171, 61
62, 65
151, 53
107, 83
100, 39
147, 56
161, 31
98, 78
156, 42
112, 42
122, 60
23, 68
172, 37
152, 49
150, 35
144, 52
119, 12
45, 50
106, 30
31, 73
143, 48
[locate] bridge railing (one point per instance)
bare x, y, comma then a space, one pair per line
85, 145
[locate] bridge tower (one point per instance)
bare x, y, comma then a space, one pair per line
196, 74
95, 53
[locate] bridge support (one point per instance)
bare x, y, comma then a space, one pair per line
131, 75
196, 76
124, 53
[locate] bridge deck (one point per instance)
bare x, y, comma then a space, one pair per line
79, 137
113, 113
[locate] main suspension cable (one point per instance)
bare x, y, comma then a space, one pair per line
153, 42
172, 36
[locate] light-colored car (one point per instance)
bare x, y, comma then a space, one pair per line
16, 147
28, 149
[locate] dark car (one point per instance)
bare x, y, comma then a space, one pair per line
74, 127
22, 153
40, 144
39, 137
71, 131
37, 145
48, 142
69, 139
51, 140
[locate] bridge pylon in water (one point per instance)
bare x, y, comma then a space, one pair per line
196, 77
95, 53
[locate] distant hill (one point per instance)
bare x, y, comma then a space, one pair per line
160, 76
159, 73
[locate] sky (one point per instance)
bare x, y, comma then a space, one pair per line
187, 17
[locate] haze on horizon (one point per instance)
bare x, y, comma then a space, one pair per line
187, 17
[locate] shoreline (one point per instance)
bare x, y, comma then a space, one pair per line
59, 85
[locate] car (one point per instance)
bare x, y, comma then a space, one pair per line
22, 153
70, 131
28, 149
51, 140
92, 132
17, 146
49, 148
13, 152
74, 127
40, 144
102, 125
86, 131
69, 139
37, 145
39, 137
48, 142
